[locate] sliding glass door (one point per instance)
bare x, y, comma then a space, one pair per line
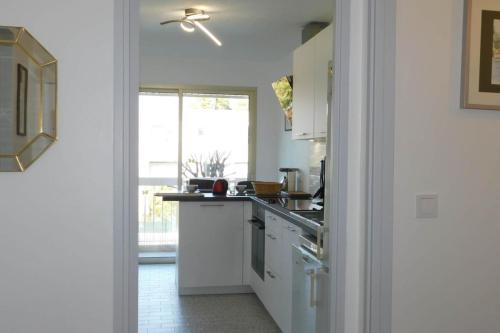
183, 134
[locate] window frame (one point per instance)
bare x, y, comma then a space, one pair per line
180, 90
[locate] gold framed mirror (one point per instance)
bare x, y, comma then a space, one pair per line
28, 99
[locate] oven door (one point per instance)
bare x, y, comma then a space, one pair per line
258, 247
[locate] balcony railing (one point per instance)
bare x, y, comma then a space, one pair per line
158, 225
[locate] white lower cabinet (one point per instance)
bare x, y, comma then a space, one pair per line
215, 249
273, 268
274, 240
274, 290
210, 253
259, 287
280, 236
291, 235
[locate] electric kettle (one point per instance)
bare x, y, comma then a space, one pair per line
220, 187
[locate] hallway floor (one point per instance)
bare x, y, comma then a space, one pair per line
161, 310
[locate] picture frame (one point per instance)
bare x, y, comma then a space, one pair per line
481, 55
22, 100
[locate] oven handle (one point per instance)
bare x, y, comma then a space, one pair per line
256, 221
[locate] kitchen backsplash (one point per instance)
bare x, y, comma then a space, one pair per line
316, 154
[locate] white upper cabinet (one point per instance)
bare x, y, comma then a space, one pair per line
310, 86
303, 91
324, 53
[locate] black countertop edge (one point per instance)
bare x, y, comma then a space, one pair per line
284, 213
277, 209
205, 197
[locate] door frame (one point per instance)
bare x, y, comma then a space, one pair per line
380, 167
126, 166
374, 303
380, 54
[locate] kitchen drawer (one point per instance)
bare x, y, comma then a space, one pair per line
291, 235
274, 241
274, 297
273, 255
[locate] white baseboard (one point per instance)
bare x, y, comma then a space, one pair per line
184, 291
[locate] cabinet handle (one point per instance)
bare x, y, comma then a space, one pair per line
320, 234
271, 275
312, 295
271, 236
302, 134
208, 205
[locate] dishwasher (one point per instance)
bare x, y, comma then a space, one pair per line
310, 293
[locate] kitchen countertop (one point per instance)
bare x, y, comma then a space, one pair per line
182, 196
275, 208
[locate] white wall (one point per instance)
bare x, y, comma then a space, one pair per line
56, 241
447, 270
271, 139
294, 154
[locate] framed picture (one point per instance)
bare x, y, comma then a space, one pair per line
481, 54
22, 100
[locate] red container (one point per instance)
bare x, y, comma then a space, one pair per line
220, 187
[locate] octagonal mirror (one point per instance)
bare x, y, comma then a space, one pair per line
28, 99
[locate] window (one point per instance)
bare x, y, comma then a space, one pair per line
215, 136
189, 133
158, 136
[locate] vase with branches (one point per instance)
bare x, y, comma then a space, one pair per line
212, 165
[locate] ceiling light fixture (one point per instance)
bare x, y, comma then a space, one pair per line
196, 14
187, 26
191, 21
208, 33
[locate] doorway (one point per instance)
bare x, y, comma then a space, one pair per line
131, 267
185, 133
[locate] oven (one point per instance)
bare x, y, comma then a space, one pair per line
258, 240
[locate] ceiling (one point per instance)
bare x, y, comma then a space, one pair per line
252, 30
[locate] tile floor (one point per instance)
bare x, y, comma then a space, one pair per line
161, 310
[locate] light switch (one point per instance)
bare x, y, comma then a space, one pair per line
427, 206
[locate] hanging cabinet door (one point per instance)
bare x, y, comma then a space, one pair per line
303, 91
323, 55
310, 86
